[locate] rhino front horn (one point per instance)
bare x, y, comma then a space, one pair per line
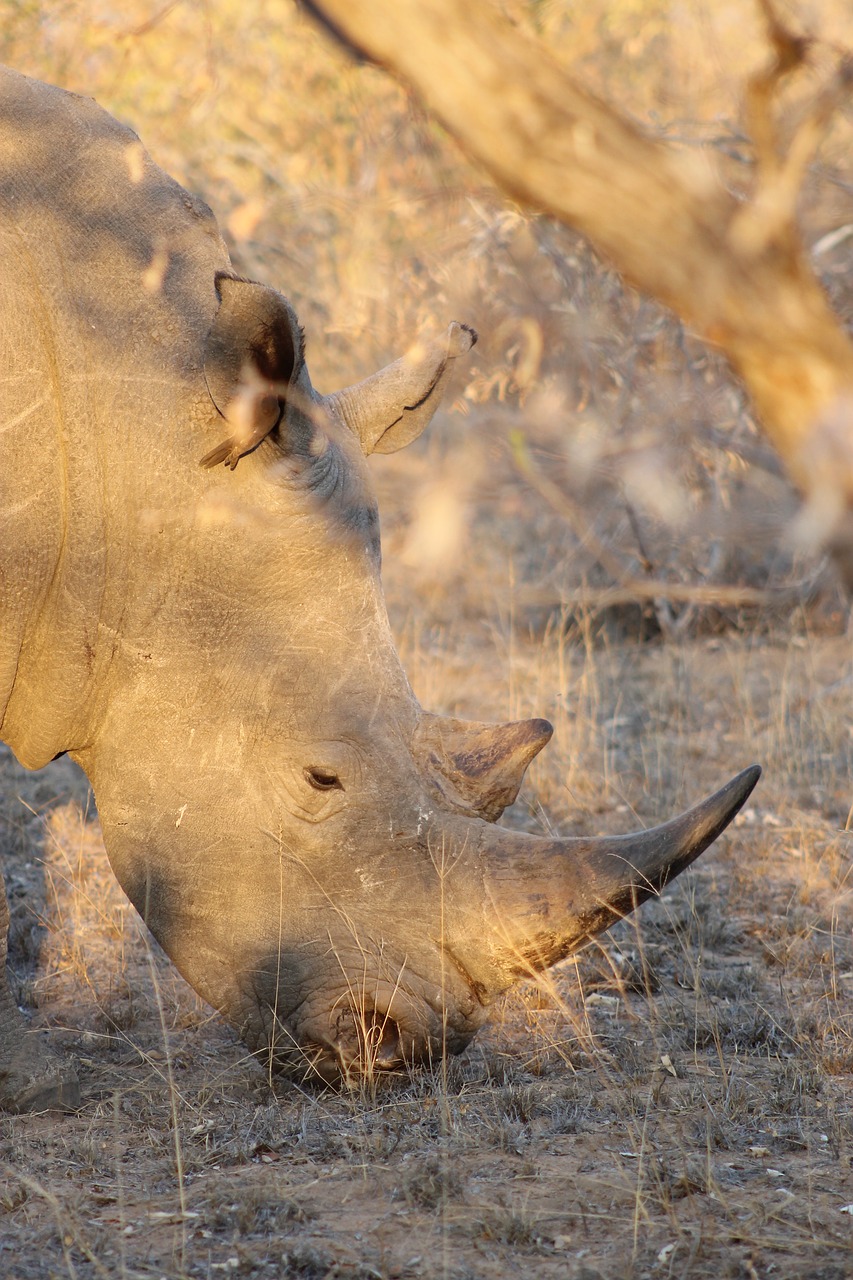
551, 897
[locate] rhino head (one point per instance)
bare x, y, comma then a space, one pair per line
316, 853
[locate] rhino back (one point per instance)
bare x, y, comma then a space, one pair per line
120, 247
106, 296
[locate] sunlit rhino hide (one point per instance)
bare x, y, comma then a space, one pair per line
192, 610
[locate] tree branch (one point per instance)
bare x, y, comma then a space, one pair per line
738, 274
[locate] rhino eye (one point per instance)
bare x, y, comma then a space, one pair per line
322, 779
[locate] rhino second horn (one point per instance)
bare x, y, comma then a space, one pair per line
391, 408
551, 897
478, 768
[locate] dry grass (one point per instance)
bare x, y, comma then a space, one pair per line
674, 1102
677, 1101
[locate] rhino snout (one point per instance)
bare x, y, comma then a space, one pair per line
373, 1024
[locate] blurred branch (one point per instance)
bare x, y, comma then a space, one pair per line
770, 214
154, 20
753, 454
559, 502
736, 272
636, 589
629, 589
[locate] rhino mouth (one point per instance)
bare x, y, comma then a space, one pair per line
362, 1034
359, 1044
364, 1042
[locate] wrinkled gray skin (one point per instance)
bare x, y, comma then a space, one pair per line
315, 852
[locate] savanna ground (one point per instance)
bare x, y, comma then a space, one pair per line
598, 534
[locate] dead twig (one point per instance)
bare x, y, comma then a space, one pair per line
629, 589
634, 590
559, 502
769, 217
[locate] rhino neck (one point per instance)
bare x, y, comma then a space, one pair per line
91, 354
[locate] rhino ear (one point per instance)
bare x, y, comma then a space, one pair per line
479, 768
391, 408
251, 354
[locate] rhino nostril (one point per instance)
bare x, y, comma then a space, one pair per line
366, 1039
381, 1042
373, 1036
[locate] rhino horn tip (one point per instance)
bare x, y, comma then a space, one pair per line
542, 728
742, 785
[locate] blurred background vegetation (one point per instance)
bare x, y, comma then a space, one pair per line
602, 450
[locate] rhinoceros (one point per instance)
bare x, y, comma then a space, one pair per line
192, 610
